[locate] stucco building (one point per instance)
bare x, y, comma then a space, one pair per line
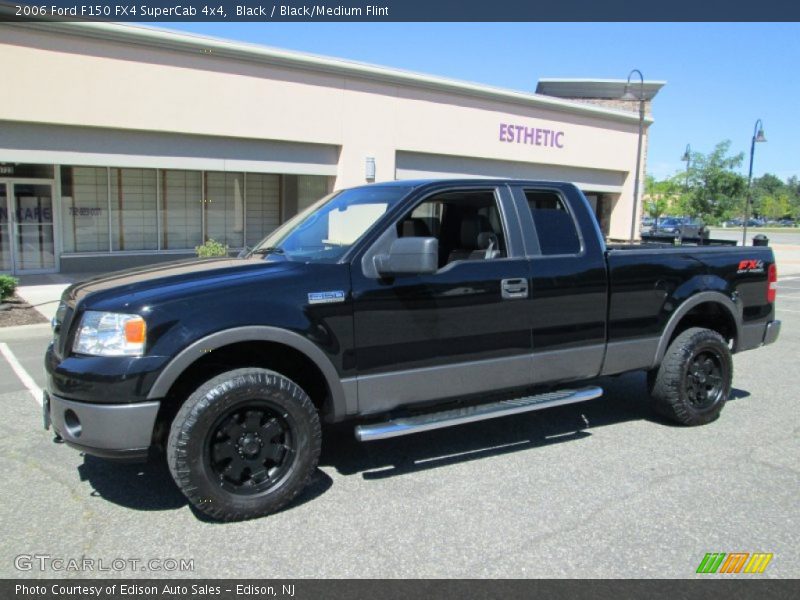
122, 145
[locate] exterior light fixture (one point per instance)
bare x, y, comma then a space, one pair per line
758, 136
629, 95
370, 168
687, 158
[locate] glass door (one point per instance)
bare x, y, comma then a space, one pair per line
6, 264
29, 215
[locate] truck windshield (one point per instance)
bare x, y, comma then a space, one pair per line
325, 230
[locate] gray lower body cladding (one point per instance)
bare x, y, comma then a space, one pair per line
106, 430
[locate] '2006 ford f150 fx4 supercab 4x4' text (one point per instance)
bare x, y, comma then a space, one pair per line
401, 307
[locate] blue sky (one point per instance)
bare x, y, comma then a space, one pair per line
720, 77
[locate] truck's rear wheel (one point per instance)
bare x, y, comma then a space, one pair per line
694, 380
244, 444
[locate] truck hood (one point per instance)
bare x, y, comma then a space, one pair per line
141, 279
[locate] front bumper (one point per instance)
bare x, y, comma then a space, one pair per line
122, 431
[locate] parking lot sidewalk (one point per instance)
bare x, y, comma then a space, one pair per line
44, 291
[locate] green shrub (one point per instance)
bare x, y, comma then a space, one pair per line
8, 286
211, 249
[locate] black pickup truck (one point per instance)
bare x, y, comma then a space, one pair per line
401, 307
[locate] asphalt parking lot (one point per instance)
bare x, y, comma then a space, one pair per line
599, 489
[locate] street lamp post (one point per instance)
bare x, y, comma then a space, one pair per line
687, 158
758, 136
629, 95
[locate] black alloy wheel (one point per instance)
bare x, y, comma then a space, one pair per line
244, 444
704, 385
251, 448
693, 381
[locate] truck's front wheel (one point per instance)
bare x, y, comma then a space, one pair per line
694, 380
244, 444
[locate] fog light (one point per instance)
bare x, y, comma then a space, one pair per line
72, 423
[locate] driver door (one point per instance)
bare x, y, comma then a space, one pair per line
465, 328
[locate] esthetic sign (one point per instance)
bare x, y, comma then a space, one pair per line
532, 136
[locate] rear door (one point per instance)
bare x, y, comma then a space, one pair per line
569, 282
462, 330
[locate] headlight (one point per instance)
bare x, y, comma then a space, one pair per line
110, 334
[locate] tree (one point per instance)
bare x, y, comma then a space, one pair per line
661, 197
775, 207
766, 189
656, 207
793, 186
716, 190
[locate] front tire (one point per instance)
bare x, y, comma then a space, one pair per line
244, 444
694, 380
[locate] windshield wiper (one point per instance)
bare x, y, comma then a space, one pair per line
268, 250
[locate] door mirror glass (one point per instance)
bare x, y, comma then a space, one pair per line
409, 256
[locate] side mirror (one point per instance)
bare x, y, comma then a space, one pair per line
409, 256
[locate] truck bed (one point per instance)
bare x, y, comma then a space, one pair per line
647, 284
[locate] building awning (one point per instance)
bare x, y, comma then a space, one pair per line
415, 165
71, 145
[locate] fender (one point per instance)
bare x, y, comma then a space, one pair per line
254, 333
700, 298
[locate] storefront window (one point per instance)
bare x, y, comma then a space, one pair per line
181, 209
134, 219
263, 206
5, 240
310, 188
171, 209
224, 204
84, 209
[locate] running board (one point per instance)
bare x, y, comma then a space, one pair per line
469, 414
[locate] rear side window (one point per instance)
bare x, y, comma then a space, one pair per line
554, 224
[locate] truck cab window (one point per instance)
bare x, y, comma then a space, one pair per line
466, 223
555, 226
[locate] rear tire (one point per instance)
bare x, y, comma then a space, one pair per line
694, 380
244, 444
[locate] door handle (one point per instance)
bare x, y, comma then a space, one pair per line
511, 289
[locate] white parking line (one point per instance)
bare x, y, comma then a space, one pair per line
21, 373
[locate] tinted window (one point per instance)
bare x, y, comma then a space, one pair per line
466, 223
554, 225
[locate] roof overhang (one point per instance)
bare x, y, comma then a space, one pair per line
606, 89
214, 47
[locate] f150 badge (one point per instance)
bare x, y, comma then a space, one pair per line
751, 266
326, 297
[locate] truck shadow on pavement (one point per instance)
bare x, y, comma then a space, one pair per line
149, 486
625, 399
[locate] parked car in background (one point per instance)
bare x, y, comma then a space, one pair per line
678, 226
751, 222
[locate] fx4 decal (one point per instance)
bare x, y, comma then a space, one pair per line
751, 266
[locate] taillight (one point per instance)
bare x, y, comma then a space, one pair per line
772, 283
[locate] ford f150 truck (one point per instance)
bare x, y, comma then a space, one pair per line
401, 307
